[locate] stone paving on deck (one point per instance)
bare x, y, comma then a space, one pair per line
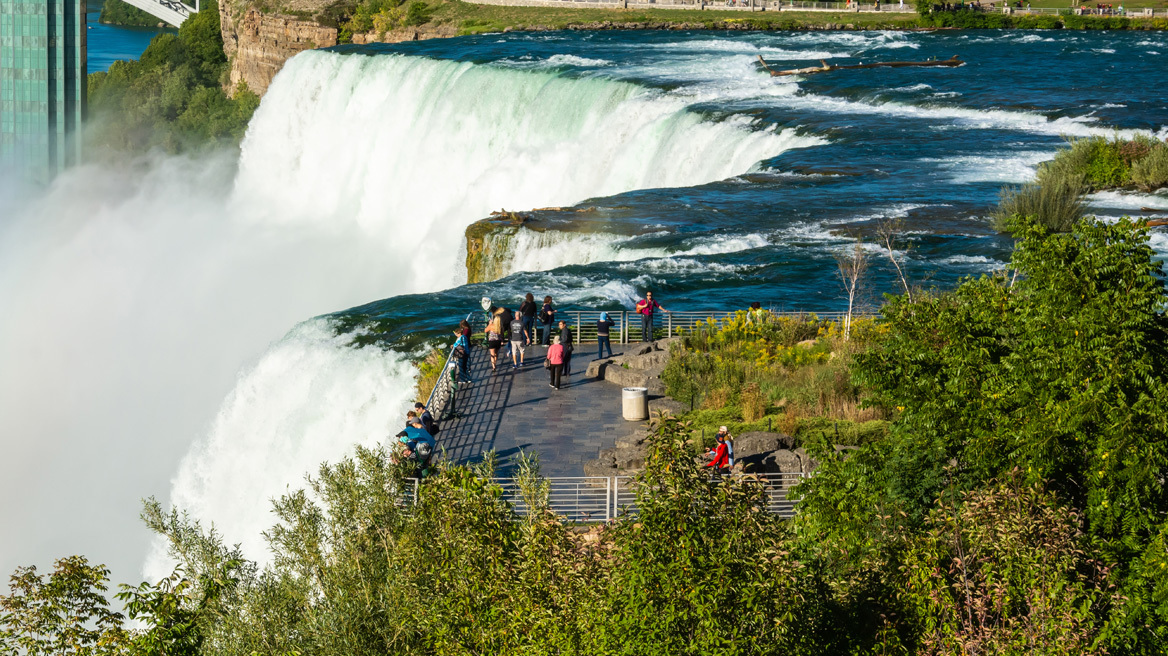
512, 410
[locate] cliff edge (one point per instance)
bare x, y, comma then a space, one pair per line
258, 43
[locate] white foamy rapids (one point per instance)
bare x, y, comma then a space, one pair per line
863, 40
555, 61
431, 146
1123, 200
1016, 168
308, 400
962, 117
972, 261
538, 251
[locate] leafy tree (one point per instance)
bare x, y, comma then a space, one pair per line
64, 614
172, 96
1002, 570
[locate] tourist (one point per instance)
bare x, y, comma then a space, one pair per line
568, 341
547, 319
719, 456
724, 434
645, 308
602, 342
461, 353
426, 418
419, 446
494, 338
505, 317
517, 341
528, 310
555, 362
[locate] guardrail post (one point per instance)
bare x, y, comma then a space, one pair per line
609, 505
624, 327
579, 332
670, 332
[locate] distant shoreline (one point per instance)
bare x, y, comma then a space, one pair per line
463, 18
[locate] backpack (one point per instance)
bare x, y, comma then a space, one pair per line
544, 317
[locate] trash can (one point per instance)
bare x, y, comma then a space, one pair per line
635, 402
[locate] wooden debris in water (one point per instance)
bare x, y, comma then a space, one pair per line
827, 68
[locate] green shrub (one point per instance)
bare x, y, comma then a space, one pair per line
1055, 202
1107, 167
1151, 172
418, 13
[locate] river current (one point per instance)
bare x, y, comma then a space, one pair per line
933, 147
179, 315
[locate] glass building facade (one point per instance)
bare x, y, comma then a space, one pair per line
42, 84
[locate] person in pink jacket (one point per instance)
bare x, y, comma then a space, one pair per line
555, 358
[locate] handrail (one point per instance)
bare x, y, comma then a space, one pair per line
443, 385
627, 328
605, 498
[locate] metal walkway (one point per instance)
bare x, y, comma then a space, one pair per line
170, 11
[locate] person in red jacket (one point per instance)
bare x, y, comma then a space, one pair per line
720, 459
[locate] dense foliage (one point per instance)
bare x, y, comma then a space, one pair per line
1055, 200
116, 12
171, 98
380, 16
1061, 375
758, 371
1016, 505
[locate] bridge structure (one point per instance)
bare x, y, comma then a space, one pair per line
169, 11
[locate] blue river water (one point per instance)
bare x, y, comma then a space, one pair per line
109, 43
932, 147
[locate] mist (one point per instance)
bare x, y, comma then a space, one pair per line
133, 298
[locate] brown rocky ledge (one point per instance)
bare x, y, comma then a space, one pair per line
258, 44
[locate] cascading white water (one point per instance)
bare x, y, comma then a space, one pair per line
414, 149
406, 152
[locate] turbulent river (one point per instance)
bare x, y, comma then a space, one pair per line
138, 301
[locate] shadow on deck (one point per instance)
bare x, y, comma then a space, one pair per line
512, 410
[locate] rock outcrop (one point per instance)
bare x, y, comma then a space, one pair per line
401, 34
257, 44
641, 365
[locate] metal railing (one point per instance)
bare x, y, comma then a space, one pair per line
628, 327
575, 498
441, 400
585, 499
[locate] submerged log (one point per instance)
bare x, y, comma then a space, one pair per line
826, 68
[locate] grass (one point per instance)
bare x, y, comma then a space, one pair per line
781, 374
475, 19
1064, 4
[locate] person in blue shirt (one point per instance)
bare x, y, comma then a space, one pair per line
419, 446
463, 356
602, 327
